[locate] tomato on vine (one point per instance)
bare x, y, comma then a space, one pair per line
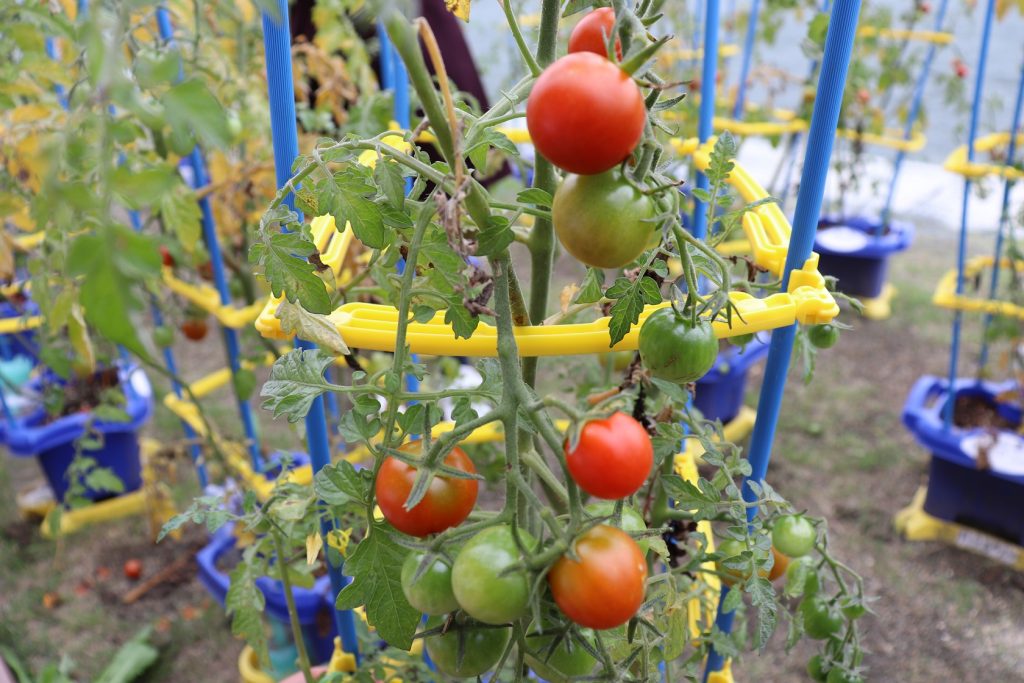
466, 650
585, 114
794, 535
431, 593
816, 668
591, 34
676, 348
823, 336
838, 675
567, 661
604, 587
195, 329
166, 257
602, 220
163, 336
612, 457
482, 581
821, 619
448, 500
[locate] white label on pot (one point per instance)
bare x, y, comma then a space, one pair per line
842, 238
140, 383
1004, 451
984, 544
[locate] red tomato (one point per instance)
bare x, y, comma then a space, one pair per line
593, 31
194, 328
166, 257
613, 457
605, 587
585, 114
448, 502
205, 270
133, 569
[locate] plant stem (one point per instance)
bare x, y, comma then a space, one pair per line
293, 614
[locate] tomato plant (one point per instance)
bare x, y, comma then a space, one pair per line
612, 457
604, 587
794, 535
602, 220
561, 657
195, 329
446, 503
602, 127
675, 348
821, 619
593, 32
428, 589
465, 649
485, 584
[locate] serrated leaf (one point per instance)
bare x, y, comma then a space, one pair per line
290, 275
630, 300
296, 380
311, 327
340, 484
104, 479
140, 188
191, 105
495, 238
344, 197
376, 567
592, 289
462, 321
388, 177
180, 214
244, 604
535, 195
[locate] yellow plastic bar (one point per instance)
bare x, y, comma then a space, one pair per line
753, 128
946, 297
690, 54
207, 298
895, 140
71, 521
934, 37
957, 161
22, 324
30, 240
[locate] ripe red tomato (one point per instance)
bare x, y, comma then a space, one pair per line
593, 31
612, 458
448, 502
585, 114
166, 256
605, 587
601, 219
133, 569
206, 270
195, 328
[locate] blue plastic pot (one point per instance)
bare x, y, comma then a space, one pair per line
22, 343
990, 500
720, 393
315, 606
53, 443
856, 256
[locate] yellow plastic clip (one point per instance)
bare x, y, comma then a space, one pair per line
934, 37
946, 295
957, 161
890, 140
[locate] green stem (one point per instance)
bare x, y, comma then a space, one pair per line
513, 25
293, 613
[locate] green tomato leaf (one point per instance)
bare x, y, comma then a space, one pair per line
340, 484
376, 570
180, 213
535, 195
296, 380
283, 258
312, 327
387, 175
592, 288
495, 237
630, 300
345, 197
191, 105
244, 604
140, 188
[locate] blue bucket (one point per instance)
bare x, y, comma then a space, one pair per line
850, 251
720, 393
990, 500
53, 443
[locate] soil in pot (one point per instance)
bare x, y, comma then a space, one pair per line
975, 411
81, 394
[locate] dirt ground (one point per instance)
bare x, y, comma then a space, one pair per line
942, 614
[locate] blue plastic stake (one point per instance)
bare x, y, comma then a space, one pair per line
961, 254
281, 88
821, 136
748, 56
707, 108
912, 114
1004, 220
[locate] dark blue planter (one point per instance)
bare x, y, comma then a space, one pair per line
720, 393
861, 264
53, 444
990, 500
22, 343
315, 606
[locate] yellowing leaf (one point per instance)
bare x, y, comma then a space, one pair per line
459, 8
338, 539
78, 333
568, 293
313, 545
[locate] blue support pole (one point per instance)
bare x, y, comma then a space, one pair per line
961, 254
821, 136
707, 108
277, 46
1004, 219
200, 179
912, 114
748, 56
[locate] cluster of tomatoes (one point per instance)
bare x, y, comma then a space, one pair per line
599, 585
195, 326
586, 115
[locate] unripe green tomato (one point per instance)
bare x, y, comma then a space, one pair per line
632, 521
821, 620
676, 349
481, 649
801, 577
568, 661
794, 535
432, 592
852, 608
483, 586
163, 336
741, 339
823, 336
816, 668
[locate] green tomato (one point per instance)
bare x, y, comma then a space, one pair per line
630, 522
823, 336
801, 578
482, 586
481, 647
432, 592
673, 348
163, 336
821, 620
852, 608
730, 548
794, 535
837, 675
617, 360
816, 668
741, 339
601, 219
569, 660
